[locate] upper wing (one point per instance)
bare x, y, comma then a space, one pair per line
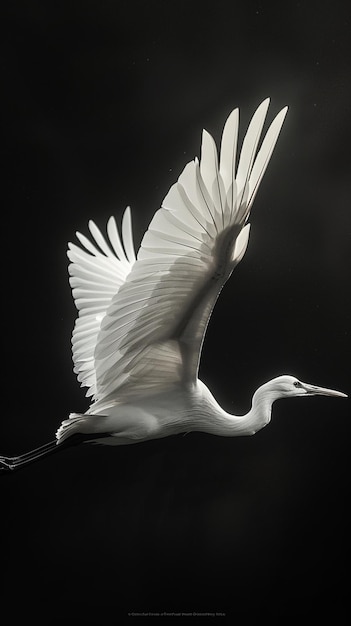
152, 333
95, 277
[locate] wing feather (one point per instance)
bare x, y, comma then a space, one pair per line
127, 236
96, 274
228, 149
250, 143
151, 336
265, 153
210, 176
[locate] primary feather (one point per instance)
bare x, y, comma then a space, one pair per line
142, 322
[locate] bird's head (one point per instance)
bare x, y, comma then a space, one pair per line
289, 386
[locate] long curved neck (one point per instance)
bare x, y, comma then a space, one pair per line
218, 422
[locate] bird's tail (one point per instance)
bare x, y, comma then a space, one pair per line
70, 427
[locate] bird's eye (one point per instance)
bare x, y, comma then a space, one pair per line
297, 383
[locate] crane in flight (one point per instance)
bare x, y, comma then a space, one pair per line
142, 320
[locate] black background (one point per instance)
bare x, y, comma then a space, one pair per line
103, 104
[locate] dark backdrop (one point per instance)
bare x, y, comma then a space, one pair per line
103, 104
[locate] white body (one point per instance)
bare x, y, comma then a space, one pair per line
170, 413
138, 337
139, 333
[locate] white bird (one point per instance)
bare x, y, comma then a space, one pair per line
138, 337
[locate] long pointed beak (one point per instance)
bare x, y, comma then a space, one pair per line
312, 390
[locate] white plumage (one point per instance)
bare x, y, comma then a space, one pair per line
96, 276
141, 323
138, 336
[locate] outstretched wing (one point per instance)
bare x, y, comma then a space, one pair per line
96, 274
151, 336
